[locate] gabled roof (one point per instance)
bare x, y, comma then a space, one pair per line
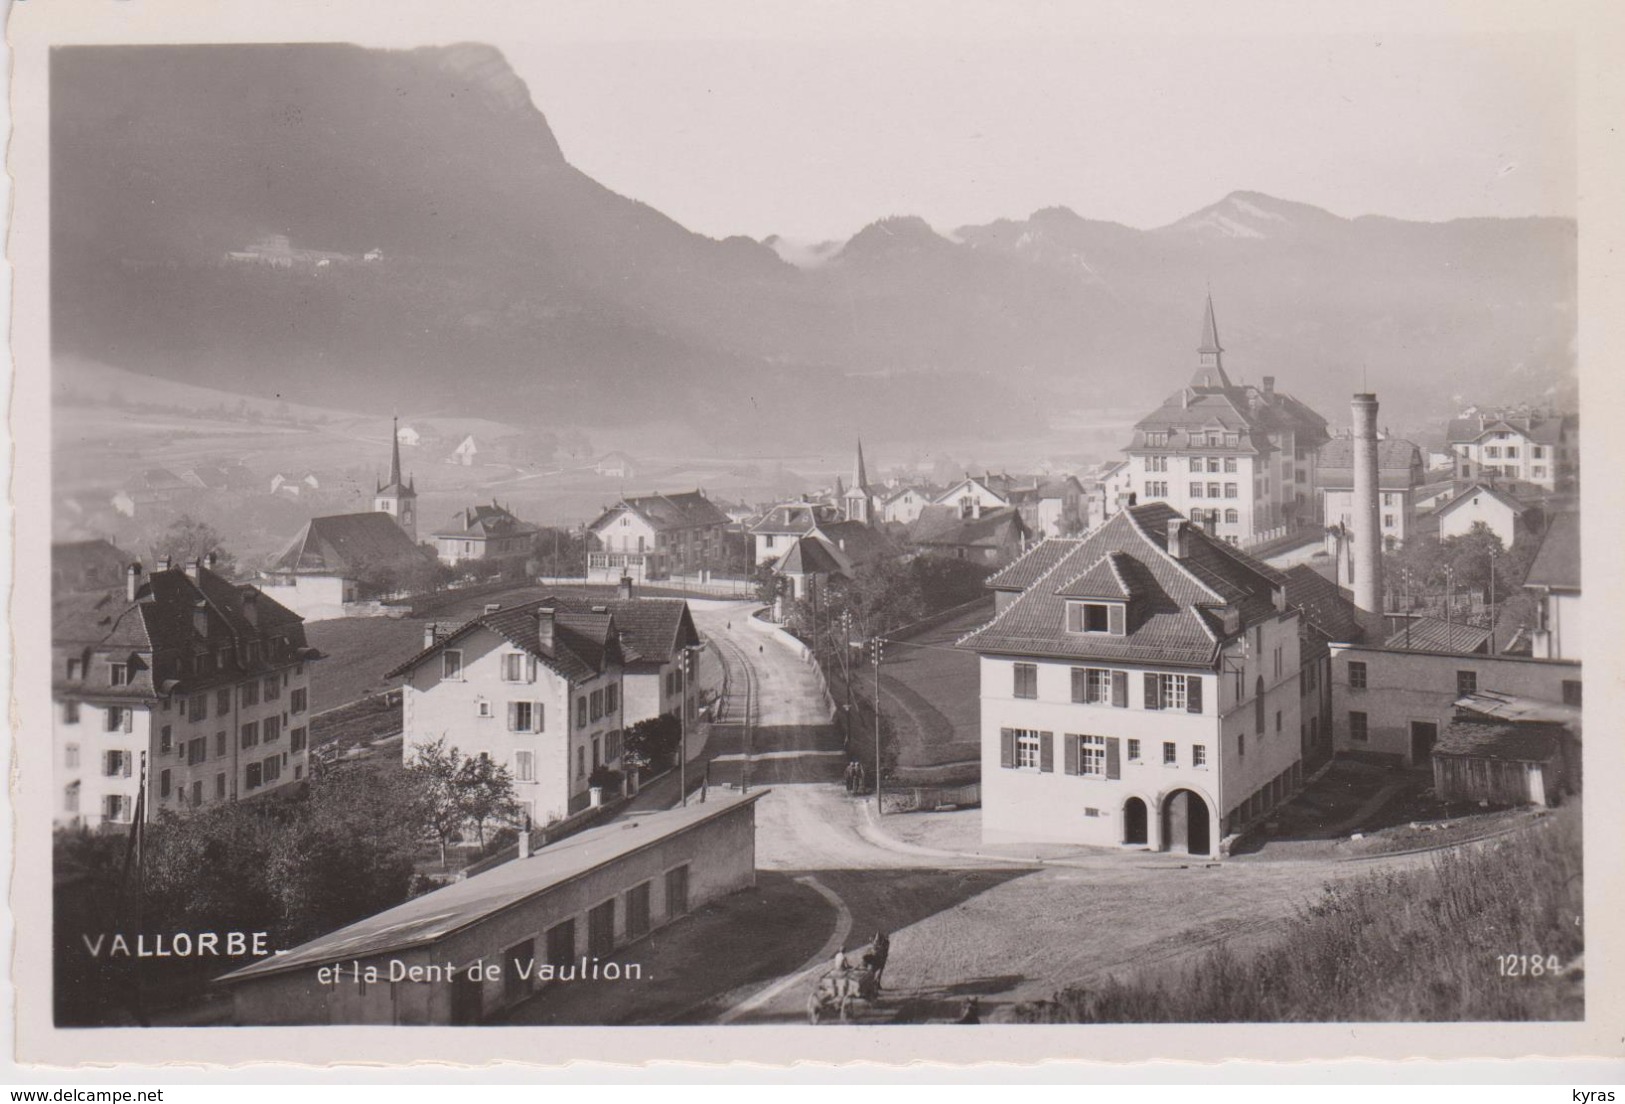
808, 556
997, 487
1169, 614
342, 544
1538, 428
481, 522
163, 620
1395, 457
943, 527
1493, 492
668, 512
855, 543
653, 630
89, 565
1557, 564
1326, 607
794, 519
428, 918
1032, 564
585, 640
1107, 578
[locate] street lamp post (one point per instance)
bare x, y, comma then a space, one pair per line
879, 654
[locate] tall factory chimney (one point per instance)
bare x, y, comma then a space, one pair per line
1367, 530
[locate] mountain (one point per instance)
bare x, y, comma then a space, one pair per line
344, 227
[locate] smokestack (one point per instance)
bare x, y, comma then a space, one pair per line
1176, 538
132, 581
1367, 532
544, 629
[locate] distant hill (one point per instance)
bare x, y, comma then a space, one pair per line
507, 284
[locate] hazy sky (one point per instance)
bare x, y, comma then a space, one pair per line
814, 128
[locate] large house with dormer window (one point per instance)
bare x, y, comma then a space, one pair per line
648, 537
1237, 459
536, 687
1526, 446
1139, 688
206, 680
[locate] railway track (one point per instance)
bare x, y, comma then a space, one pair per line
739, 678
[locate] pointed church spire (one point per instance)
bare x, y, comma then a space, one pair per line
395, 451
1210, 371
860, 478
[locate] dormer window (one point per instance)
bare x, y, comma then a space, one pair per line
1095, 617
118, 674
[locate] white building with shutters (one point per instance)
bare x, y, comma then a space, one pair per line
535, 687
1139, 688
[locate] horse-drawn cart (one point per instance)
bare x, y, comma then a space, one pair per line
844, 985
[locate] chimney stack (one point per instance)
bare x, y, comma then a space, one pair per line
544, 628
251, 606
1176, 537
192, 570
1269, 387
1367, 530
430, 633
132, 581
163, 564
623, 590
210, 560
524, 836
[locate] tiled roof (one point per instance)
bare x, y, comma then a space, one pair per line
666, 512
1395, 461
1540, 429
654, 629
1106, 578
585, 640
808, 556
162, 622
90, 565
1519, 743
485, 521
854, 544
340, 544
1326, 607
1432, 634
1557, 564
943, 527
1479, 488
431, 917
1166, 624
793, 519
1033, 564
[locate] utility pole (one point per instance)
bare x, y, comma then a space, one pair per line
686, 670
1492, 600
846, 676
1449, 594
879, 654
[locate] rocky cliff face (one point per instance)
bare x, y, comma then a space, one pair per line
505, 282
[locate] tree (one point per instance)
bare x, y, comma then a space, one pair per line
487, 790
188, 539
652, 744
435, 768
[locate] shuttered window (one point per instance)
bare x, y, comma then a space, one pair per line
1193, 693
1046, 751
1120, 689
1007, 747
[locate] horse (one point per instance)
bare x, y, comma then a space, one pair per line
969, 1013
874, 959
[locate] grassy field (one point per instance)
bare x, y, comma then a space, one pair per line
931, 694
1418, 945
359, 651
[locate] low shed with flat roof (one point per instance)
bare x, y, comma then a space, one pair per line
471, 951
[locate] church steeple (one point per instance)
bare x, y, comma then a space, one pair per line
395, 437
856, 502
860, 478
397, 499
1210, 368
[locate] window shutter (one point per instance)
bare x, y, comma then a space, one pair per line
1074, 617
1046, 752
1114, 757
538, 717
128, 759
1114, 619
1120, 689
530, 668
513, 716
129, 720
1153, 699
1193, 694
1071, 752
1007, 747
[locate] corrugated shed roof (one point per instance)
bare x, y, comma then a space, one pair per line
433, 916
1519, 743
1432, 634
1557, 564
1165, 624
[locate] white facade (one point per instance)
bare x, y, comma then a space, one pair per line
972, 498
496, 699
314, 597
1241, 754
1510, 453
1396, 510
227, 743
1224, 493
905, 508
1458, 517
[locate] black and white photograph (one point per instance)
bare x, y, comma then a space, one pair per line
1037, 515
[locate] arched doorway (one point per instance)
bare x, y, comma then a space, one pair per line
1134, 821
1185, 823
